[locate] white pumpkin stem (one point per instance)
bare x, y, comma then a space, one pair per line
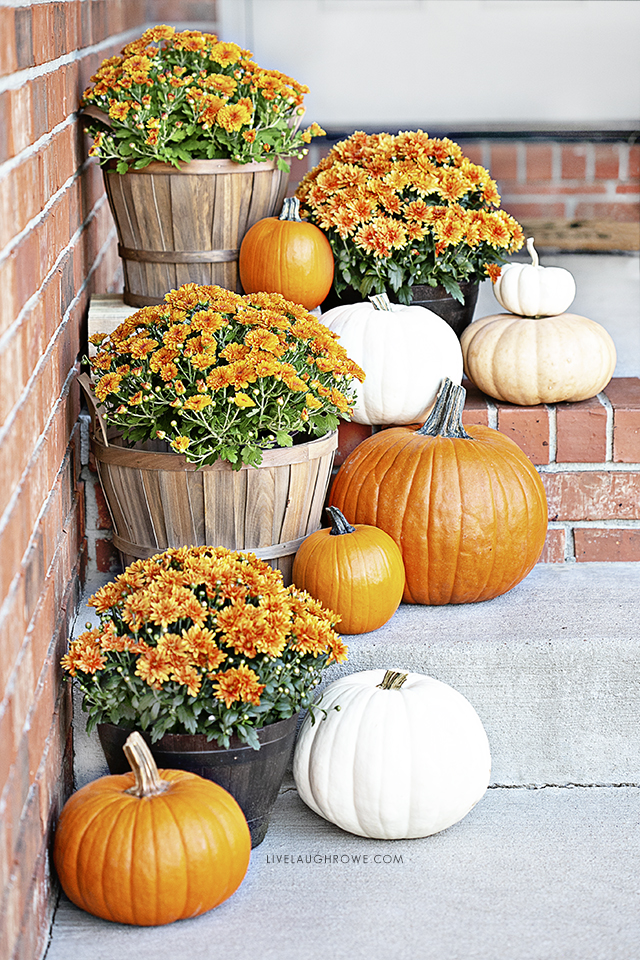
392, 680
291, 209
533, 252
339, 523
445, 420
381, 301
148, 781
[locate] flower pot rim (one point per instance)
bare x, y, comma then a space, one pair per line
311, 449
197, 742
199, 167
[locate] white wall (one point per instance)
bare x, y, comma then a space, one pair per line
454, 62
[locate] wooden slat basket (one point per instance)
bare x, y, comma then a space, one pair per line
158, 500
186, 226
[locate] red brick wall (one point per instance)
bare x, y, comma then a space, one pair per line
588, 456
57, 246
565, 181
548, 180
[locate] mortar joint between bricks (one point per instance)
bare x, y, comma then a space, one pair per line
553, 431
606, 403
569, 545
492, 415
590, 162
623, 154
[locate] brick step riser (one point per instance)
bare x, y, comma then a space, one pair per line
588, 456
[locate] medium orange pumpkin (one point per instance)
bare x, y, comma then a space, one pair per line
355, 571
467, 509
150, 847
289, 256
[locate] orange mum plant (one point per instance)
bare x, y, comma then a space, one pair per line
178, 96
216, 374
202, 640
405, 210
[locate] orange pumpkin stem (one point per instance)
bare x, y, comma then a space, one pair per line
339, 523
445, 420
392, 680
291, 210
148, 781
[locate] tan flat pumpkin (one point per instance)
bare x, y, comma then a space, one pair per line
530, 360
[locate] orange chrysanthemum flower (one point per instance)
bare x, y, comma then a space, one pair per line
238, 684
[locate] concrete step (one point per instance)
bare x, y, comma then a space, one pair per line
547, 874
551, 668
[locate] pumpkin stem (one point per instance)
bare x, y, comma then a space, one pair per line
445, 420
381, 301
339, 523
392, 680
533, 253
291, 209
148, 781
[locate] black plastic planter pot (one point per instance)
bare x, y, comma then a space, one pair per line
253, 777
458, 315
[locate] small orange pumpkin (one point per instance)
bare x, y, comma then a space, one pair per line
150, 847
289, 256
355, 571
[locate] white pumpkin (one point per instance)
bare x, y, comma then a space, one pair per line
392, 755
405, 352
534, 291
530, 360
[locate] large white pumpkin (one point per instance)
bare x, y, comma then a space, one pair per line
405, 352
392, 758
534, 291
530, 360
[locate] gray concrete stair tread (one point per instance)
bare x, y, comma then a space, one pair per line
529, 874
551, 668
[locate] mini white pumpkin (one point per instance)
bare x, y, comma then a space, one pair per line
530, 360
392, 755
405, 352
534, 291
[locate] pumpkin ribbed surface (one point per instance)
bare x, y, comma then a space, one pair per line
287, 256
392, 763
404, 351
469, 515
358, 573
527, 360
153, 859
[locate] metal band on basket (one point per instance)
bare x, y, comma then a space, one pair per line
177, 256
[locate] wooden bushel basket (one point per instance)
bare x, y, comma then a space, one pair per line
157, 499
186, 226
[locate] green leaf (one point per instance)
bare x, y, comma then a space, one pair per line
283, 438
452, 287
122, 167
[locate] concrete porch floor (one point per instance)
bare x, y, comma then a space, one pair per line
545, 867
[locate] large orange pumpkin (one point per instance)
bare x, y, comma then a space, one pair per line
467, 509
355, 571
289, 256
150, 847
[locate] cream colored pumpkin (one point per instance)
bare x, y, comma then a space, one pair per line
405, 352
527, 360
392, 755
534, 291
